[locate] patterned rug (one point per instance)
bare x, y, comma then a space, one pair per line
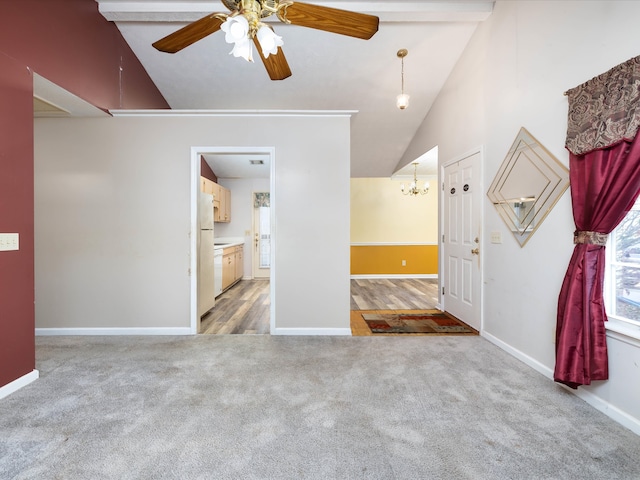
422, 323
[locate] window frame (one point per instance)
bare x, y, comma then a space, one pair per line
617, 323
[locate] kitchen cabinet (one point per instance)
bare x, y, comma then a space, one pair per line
232, 265
206, 185
221, 199
224, 209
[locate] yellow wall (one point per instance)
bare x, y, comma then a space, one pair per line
388, 227
387, 260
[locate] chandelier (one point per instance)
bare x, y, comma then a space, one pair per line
242, 26
413, 189
402, 100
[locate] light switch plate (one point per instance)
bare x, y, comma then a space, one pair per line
9, 242
496, 237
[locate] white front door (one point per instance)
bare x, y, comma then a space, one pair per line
261, 235
461, 227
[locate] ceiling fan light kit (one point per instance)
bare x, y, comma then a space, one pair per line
269, 41
244, 26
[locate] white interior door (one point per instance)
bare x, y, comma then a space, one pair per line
461, 281
262, 235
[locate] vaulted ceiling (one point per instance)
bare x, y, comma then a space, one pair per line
329, 71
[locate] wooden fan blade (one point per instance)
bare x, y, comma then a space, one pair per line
189, 34
343, 22
276, 65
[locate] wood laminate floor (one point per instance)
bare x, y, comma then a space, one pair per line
394, 294
244, 308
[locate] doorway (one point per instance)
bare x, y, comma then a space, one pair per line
240, 227
261, 235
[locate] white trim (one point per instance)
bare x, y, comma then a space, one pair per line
526, 359
387, 275
624, 332
114, 331
193, 267
402, 244
196, 152
608, 409
18, 383
312, 331
387, 10
442, 228
233, 113
596, 402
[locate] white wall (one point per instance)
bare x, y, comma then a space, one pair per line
513, 74
113, 218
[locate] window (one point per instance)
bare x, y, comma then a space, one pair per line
622, 277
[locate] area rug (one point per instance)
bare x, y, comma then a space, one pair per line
417, 323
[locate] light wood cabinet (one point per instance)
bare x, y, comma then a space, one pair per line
221, 200
232, 265
221, 204
206, 185
224, 211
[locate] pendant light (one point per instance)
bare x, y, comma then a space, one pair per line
402, 100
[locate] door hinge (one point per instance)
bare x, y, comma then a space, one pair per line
443, 238
442, 290
443, 186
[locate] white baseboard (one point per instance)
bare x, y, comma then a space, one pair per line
419, 275
312, 331
533, 363
18, 383
596, 402
114, 331
609, 410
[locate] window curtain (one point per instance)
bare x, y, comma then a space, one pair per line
604, 172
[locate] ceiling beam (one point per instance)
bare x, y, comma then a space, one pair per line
386, 10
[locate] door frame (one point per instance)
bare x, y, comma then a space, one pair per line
479, 310
196, 152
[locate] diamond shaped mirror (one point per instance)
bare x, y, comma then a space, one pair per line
528, 184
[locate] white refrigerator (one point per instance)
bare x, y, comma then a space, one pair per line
206, 275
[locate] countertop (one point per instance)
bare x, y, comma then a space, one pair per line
220, 244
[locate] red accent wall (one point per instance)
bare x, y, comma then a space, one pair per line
17, 313
71, 44
205, 170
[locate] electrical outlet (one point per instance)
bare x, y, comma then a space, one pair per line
9, 241
404, 263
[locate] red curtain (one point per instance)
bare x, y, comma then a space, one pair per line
604, 187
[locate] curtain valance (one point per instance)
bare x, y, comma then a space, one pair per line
605, 110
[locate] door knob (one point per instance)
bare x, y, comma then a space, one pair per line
475, 251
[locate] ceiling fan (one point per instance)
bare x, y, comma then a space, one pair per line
244, 26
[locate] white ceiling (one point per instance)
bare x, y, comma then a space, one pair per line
330, 72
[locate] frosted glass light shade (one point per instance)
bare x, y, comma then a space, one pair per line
269, 41
235, 29
243, 49
402, 101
